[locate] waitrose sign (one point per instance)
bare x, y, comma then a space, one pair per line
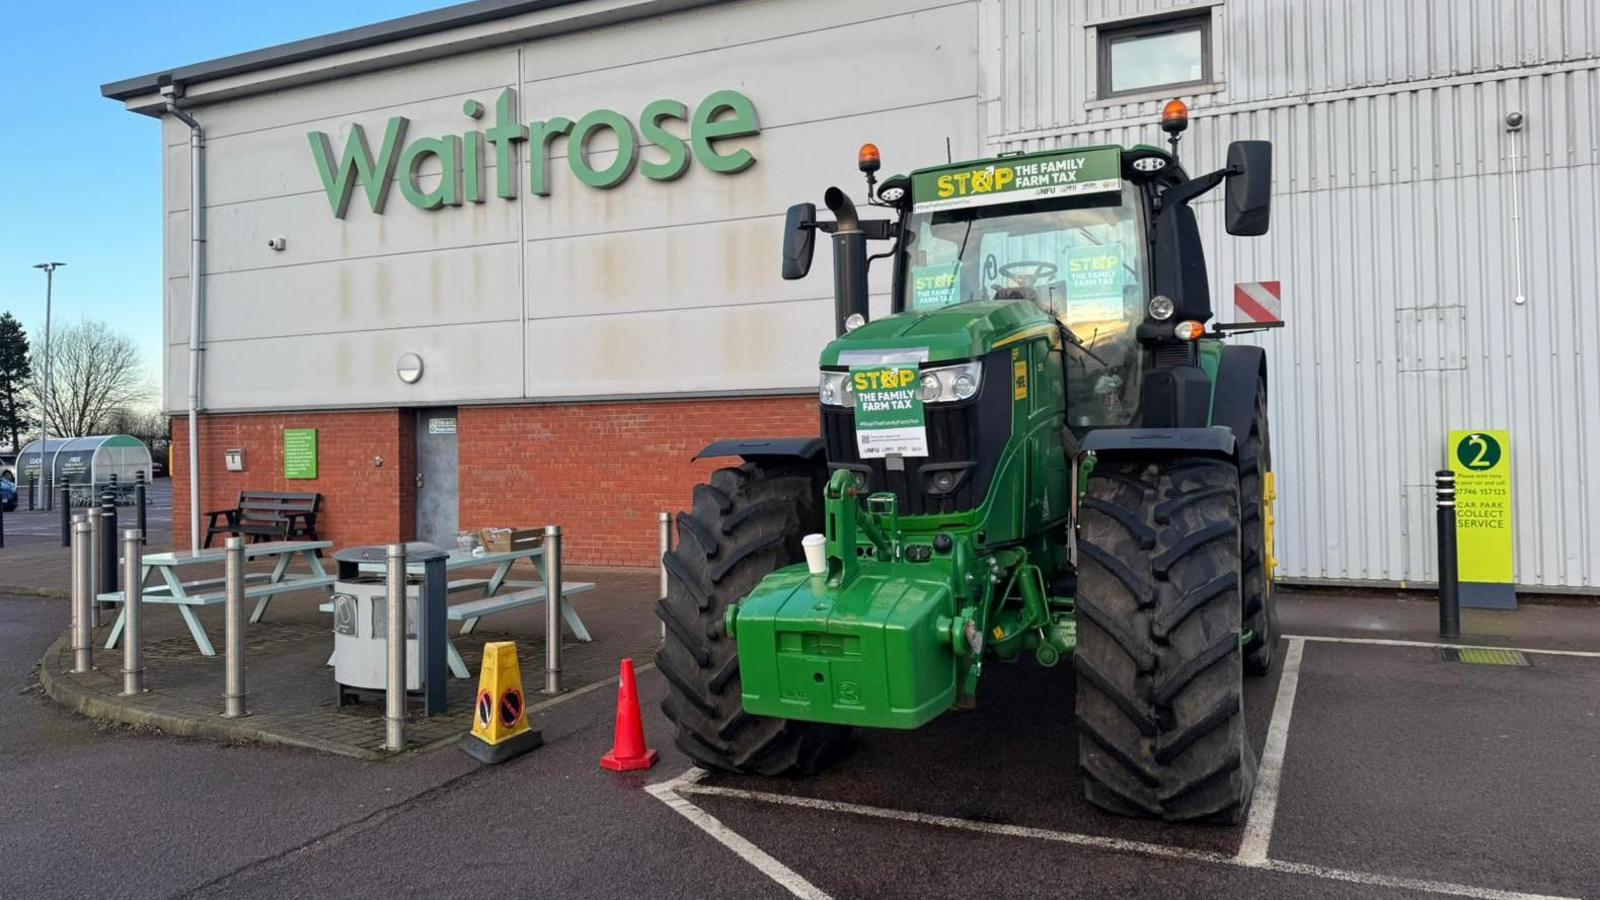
463, 158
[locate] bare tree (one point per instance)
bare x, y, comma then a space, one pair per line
94, 373
145, 423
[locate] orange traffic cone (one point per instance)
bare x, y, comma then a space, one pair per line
628, 751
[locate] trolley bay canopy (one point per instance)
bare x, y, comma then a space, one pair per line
86, 463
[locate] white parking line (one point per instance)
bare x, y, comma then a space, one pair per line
671, 793
1104, 843
1264, 807
1386, 642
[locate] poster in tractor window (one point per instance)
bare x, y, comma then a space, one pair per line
300, 453
889, 419
1068, 173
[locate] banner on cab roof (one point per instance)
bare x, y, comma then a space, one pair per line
1015, 179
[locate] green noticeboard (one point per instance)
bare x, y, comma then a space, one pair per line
300, 453
888, 412
1481, 461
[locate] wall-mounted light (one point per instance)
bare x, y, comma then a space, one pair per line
409, 367
233, 459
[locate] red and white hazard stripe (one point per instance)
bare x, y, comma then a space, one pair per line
1259, 301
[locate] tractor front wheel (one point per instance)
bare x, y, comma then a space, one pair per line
1160, 702
745, 523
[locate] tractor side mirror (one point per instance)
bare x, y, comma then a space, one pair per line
1249, 191
799, 240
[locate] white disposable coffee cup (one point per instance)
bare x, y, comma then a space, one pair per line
816, 547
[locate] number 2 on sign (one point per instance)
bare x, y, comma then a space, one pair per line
1481, 461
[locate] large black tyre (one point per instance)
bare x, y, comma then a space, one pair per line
1260, 614
745, 523
1160, 702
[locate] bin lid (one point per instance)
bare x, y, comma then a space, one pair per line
416, 551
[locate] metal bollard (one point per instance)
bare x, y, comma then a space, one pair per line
394, 711
666, 547
3, 524
552, 609
108, 542
82, 596
139, 507
233, 630
66, 516
133, 612
1449, 577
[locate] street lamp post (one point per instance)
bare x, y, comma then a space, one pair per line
44, 391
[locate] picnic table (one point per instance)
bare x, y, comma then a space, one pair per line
259, 586
493, 595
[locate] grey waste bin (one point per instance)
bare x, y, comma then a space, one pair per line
360, 617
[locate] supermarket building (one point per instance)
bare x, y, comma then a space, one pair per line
516, 261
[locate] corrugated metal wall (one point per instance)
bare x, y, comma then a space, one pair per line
1399, 201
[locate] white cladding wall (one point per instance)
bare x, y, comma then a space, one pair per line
1394, 230
1394, 234
646, 289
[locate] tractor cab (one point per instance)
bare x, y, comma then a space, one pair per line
1083, 259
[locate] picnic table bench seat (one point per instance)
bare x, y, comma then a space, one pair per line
267, 516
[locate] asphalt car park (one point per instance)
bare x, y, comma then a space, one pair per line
1388, 769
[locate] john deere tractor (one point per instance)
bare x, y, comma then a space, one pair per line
1042, 451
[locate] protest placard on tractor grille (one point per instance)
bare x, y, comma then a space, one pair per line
889, 418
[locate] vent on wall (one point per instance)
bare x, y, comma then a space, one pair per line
1431, 338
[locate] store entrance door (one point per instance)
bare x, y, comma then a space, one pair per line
438, 503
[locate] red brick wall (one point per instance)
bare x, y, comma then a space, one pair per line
603, 471
361, 503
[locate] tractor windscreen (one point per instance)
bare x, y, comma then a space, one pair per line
1082, 258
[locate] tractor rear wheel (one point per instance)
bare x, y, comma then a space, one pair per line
744, 524
1260, 614
1160, 702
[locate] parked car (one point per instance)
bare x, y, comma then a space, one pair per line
8, 492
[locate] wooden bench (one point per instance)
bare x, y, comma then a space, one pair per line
161, 595
267, 516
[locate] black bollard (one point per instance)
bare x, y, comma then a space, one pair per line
108, 543
1449, 578
139, 507
66, 516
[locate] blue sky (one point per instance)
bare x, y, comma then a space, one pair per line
85, 186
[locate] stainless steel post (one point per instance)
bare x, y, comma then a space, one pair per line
233, 630
133, 614
96, 572
82, 595
552, 609
69, 534
394, 713
666, 547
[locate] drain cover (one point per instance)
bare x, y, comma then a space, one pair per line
1483, 656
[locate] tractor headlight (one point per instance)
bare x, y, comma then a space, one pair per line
942, 384
831, 388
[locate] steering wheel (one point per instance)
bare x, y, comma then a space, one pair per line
1042, 271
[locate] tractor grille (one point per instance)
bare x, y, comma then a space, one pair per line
965, 439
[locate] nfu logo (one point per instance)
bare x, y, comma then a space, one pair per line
462, 157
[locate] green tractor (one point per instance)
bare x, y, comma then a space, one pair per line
1041, 452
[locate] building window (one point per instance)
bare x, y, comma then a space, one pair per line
1152, 54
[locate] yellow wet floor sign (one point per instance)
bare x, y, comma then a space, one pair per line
500, 728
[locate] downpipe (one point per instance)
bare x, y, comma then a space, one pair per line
197, 145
